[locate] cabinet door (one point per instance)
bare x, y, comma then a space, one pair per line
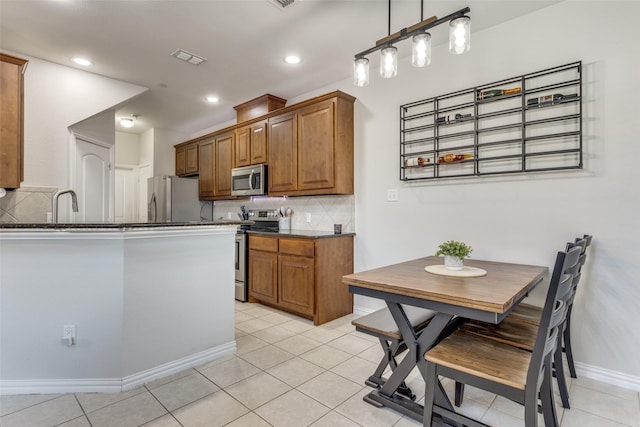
283, 154
316, 146
259, 143
206, 161
263, 270
11, 118
191, 161
296, 283
181, 161
243, 147
224, 163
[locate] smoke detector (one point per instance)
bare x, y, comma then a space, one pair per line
189, 57
281, 4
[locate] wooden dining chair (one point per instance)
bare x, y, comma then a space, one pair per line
521, 327
500, 368
381, 325
529, 313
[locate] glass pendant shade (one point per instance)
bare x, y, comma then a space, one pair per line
460, 35
361, 72
388, 62
421, 50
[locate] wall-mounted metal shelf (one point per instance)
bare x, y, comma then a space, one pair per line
529, 123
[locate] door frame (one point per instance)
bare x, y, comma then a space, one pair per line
74, 137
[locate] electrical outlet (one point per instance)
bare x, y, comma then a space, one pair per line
392, 195
308, 217
69, 335
69, 331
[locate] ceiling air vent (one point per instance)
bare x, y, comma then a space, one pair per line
281, 4
188, 57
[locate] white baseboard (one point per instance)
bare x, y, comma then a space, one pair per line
74, 385
113, 385
608, 376
132, 381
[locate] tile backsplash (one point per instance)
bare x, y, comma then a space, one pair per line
26, 205
325, 211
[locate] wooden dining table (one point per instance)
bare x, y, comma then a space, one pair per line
455, 300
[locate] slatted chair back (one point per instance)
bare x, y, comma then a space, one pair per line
582, 243
553, 313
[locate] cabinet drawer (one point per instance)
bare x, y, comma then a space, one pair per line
297, 247
261, 243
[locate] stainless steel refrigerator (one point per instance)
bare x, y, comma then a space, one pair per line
173, 199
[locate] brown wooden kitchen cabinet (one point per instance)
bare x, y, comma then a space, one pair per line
283, 154
206, 156
302, 275
215, 158
308, 147
12, 121
251, 144
224, 164
187, 162
311, 148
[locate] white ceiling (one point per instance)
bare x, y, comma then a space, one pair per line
243, 40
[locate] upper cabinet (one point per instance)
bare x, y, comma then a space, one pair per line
311, 148
283, 153
216, 159
224, 164
11, 117
308, 147
187, 159
206, 158
251, 144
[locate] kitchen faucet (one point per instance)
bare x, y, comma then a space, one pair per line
54, 203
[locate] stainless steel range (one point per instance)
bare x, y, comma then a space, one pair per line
264, 220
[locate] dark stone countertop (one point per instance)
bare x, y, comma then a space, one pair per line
116, 226
309, 234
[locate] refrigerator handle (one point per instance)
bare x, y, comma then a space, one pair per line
251, 176
155, 208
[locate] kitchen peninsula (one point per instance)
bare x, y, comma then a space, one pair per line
146, 300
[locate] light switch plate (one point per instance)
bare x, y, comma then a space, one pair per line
392, 195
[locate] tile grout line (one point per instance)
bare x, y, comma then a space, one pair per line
161, 404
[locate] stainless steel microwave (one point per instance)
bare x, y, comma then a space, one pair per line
249, 180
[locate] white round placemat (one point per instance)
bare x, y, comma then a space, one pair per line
465, 272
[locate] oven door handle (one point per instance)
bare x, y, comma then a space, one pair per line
251, 177
237, 255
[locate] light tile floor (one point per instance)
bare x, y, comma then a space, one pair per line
288, 373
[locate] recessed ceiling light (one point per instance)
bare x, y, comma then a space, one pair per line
292, 59
212, 99
82, 61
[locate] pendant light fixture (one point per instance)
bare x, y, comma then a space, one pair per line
421, 50
460, 35
389, 62
361, 72
459, 42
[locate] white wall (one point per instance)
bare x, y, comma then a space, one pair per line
101, 127
164, 157
57, 97
522, 218
127, 148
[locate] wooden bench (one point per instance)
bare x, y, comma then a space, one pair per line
380, 324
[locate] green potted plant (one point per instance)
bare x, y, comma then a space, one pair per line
454, 254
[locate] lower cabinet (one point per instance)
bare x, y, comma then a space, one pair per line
302, 275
